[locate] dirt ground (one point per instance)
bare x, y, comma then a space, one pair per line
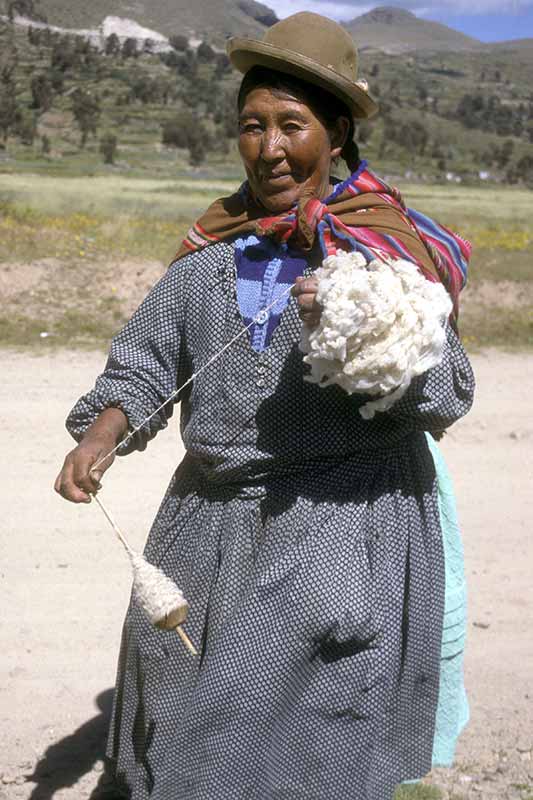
65, 581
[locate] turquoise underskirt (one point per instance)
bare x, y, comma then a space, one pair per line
452, 709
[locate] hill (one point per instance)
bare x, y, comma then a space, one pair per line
395, 30
523, 45
519, 50
214, 19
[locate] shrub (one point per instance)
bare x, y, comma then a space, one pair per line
64, 55
86, 110
180, 131
197, 151
188, 132
205, 53
8, 107
178, 42
108, 147
112, 45
129, 48
26, 127
41, 92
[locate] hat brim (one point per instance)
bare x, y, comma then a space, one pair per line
247, 53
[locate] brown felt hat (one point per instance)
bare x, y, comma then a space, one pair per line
313, 48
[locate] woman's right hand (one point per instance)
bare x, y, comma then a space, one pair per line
76, 481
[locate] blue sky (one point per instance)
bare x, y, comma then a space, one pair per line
488, 20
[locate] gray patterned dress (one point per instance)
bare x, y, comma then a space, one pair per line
307, 541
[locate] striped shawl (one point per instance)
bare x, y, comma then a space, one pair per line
363, 213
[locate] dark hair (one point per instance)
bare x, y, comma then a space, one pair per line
325, 105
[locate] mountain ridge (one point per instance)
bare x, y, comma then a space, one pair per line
396, 30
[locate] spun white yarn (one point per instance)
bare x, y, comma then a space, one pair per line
155, 592
382, 324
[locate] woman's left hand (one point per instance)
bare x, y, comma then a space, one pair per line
305, 291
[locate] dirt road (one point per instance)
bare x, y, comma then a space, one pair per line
65, 581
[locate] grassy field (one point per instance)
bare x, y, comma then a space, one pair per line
78, 254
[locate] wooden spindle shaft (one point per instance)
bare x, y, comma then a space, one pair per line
186, 641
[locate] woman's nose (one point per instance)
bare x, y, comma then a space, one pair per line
272, 145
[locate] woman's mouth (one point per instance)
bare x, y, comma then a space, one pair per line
273, 179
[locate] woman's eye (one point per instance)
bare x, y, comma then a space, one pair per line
250, 127
291, 127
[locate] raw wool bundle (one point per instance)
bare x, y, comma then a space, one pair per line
382, 324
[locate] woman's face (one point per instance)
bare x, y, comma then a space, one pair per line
286, 148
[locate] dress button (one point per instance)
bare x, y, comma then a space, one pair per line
261, 318
259, 381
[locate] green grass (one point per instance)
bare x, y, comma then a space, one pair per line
476, 211
418, 791
499, 263
72, 328
92, 218
503, 328
471, 209
108, 196
28, 235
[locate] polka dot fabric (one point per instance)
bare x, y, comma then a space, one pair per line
308, 544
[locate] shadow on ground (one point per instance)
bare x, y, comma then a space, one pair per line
66, 761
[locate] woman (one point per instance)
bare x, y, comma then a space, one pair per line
306, 539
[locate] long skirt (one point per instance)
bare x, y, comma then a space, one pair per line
316, 604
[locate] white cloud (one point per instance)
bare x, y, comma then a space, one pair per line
349, 10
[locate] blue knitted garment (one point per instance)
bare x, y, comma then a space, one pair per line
264, 271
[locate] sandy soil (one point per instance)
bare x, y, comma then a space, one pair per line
65, 581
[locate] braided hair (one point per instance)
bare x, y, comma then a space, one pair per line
324, 104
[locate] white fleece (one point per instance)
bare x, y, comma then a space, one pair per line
382, 324
155, 592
